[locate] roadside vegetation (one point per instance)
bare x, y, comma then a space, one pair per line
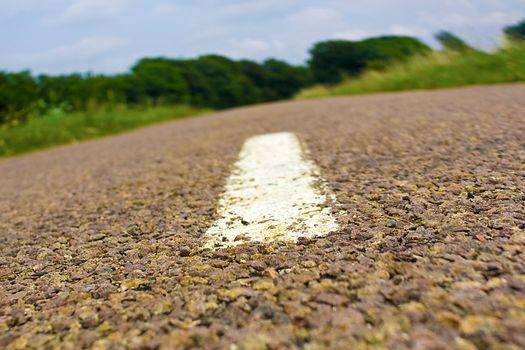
457, 64
57, 127
42, 111
433, 71
209, 81
38, 111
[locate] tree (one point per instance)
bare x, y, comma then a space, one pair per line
160, 80
332, 60
228, 87
283, 79
259, 78
451, 42
516, 32
18, 95
200, 90
208, 81
381, 51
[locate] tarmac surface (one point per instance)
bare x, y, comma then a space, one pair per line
102, 243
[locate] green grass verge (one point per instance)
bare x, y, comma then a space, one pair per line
58, 128
438, 70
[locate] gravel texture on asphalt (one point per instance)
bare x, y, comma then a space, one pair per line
101, 242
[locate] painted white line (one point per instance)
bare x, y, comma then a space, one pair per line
274, 193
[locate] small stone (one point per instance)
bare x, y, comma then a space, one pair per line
463, 344
184, 251
296, 311
241, 237
96, 237
448, 319
425, 339
309, 264
211, 306
190, 281
518, 236
391, 224
177, 339
496, 225
234, 293
263, 312
88, 317
331, 299
478, 323
104, 328
163, 308
263, 285
40, 274
495, 282
414, 310
304, 241
472, 191
133, 284
467, 285
271, 273
258, 265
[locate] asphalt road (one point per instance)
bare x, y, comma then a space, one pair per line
102, 243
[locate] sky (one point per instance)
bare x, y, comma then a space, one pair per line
109, 36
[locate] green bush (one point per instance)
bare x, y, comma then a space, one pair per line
331, 61
438, 70
516, 32
210, 81
452, 42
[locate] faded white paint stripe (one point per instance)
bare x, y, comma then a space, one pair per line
274, 193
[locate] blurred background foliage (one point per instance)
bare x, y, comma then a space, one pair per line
515, 32
210, 81
43, 110
332, 61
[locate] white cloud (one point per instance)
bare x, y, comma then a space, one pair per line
212, 34
359, 34
408, 30
88, 11
253, 48
245, 28
255, 45
352, 34
280, 45
86, 48
315, 17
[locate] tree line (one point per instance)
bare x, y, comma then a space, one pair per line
209, 81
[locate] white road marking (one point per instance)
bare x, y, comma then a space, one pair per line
274, 193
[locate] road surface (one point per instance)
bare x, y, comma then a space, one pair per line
104, 244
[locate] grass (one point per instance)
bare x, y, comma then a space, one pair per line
438, 70
58, 128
